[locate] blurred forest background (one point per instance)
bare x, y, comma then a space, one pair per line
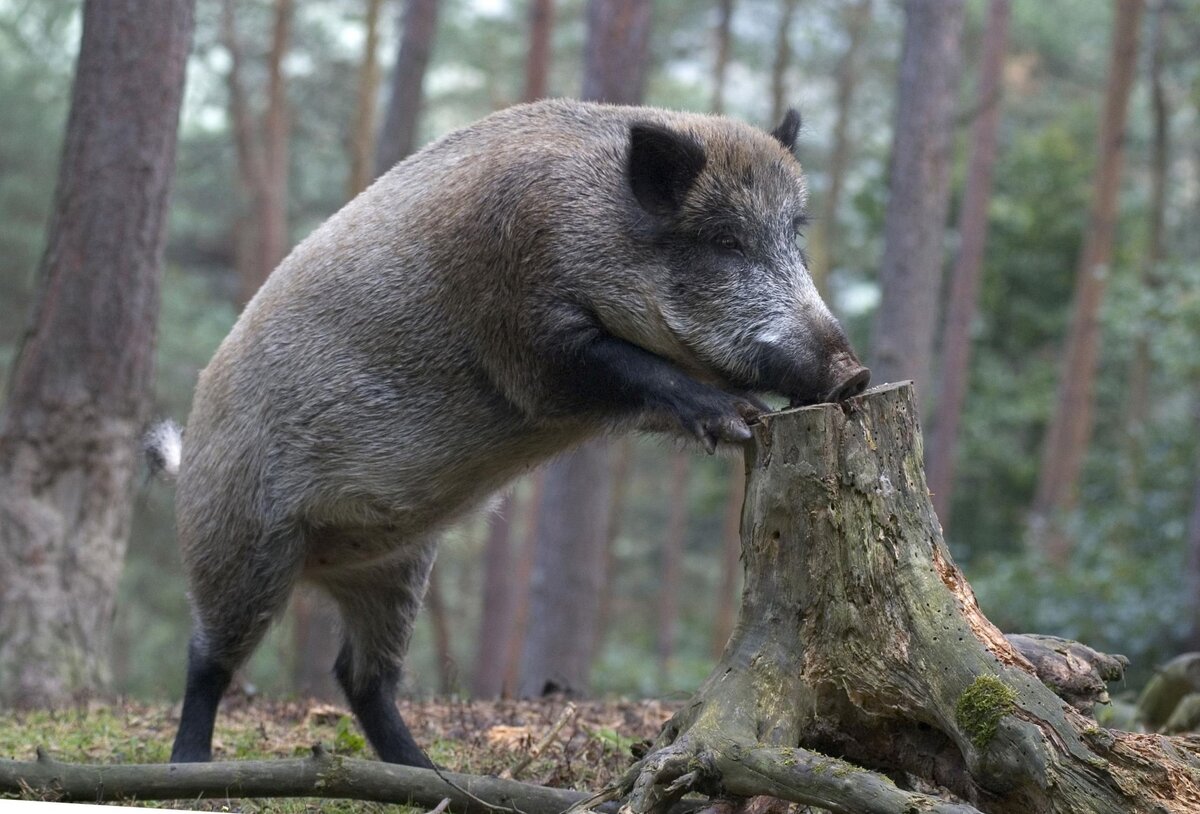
290, 107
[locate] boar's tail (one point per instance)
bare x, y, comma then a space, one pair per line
162, 445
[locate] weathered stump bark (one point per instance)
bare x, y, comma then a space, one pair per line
861, 652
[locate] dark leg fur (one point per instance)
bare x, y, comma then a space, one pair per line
373, 700
378, 609
206, 683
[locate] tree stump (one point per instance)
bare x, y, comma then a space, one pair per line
862, 666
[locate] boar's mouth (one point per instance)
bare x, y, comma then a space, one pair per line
853, 384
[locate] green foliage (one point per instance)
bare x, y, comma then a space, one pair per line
347, 738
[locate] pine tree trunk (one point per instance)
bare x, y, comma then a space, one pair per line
398, 137
439, 620
1149, 280
522, 578
968, 269
859, 637
783, 60
80, 385
362, 140
537, 63
315, 643
731, 552
568, 573
260, 236
724, 38
824, 246
498, 615
622, 477
919, 193
1070, 430
672, 565
618, 33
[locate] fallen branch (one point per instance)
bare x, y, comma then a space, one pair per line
320, 775
536, 750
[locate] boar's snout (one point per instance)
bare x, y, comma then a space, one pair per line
850, 378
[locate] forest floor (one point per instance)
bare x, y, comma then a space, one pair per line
476, 737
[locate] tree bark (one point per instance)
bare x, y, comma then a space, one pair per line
622, 477
826, 236
80, 385
537, 63
568, 573
783, 59
968, 269
315, 643
261, 239
1069, 433
860, 637
439, 620
398, 137
522, 578
362, 140
321, 775
672, 565
618, 32
498, 615
731, 552
724, 38
919, 192
1149, 280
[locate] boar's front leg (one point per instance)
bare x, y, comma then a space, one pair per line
603, 373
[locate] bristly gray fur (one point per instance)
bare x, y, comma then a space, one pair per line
162, 446
436, 338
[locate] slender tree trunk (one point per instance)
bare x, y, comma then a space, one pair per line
826, 235
783, 59
672, 565
1070, 428
724, 37
1193, 558
919, 192
523, 577
398, 138
80, 384
568, 573
315, 642
968, 269
261, 239
537, 63
568, 570
616, 51
498, 617
362, 140
622, 465
1141, 368
439, 620
731, 552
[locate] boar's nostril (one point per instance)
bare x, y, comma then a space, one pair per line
852, 386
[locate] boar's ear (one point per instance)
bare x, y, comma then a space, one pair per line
787, 130
663, 165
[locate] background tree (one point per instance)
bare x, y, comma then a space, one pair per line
537, 65
261, 238
918, 192
964, 280
824, 245
1070, 428
398, 138
362, 139
783, 59
724, 38
80, 385
568, 570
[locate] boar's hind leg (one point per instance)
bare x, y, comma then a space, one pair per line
233, 609
378, 610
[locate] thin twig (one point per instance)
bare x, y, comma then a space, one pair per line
472, 797
441, 807
536, 750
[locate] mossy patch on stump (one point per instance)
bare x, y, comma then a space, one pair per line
981, 706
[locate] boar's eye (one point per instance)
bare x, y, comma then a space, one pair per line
728, 243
